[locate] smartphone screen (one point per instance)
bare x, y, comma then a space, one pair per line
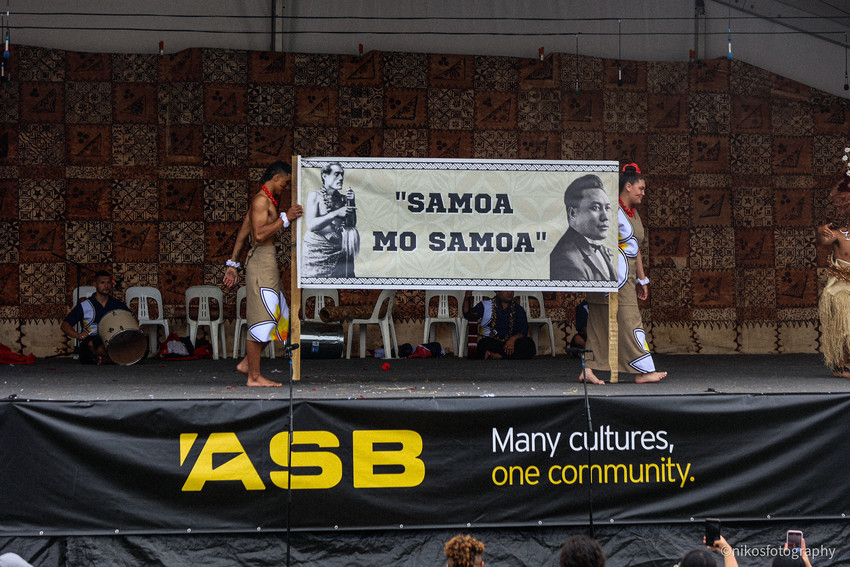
712, 531
794, 539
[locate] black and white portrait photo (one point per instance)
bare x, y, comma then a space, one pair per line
580, 254
332, 240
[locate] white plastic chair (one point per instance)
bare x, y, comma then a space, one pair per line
385, 322
534, 323
205, 293
444, 315
477, 297
240, 340
142, 294
320, 295
82, 292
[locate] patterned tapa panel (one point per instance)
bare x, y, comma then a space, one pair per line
143, 164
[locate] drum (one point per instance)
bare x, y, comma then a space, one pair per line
124, 342
321, 340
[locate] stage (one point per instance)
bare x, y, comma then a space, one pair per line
172, 460
151, 379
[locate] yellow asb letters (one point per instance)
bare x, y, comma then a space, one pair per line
397, 448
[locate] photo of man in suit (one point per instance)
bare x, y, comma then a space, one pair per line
580, 254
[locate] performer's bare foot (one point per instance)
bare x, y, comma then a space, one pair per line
243, 366
490, 355
590, 376
649, 377
260, 381
841, 373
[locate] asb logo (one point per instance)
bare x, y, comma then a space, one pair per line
373, 451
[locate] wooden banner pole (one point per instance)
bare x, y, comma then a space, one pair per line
613, 334
294, 290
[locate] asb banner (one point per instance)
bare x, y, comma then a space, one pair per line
462, 224
224, 466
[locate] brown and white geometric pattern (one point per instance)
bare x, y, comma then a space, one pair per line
134, 144
10, 240
135, 200
88, 103
225, 200
134, 67
451, 109
89, 241
142, 164
406, 70
225, 66
181, 242
41, 199
271, 105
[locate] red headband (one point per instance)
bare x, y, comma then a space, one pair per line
637, 169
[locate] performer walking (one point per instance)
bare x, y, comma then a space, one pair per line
267, 310
834, 305
633, 352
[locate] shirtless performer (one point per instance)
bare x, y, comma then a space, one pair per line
268, 313
834, 306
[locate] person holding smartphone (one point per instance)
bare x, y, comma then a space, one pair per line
795, 547
704, 557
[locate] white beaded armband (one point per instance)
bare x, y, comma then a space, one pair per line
285, 220
232, 264
644, 281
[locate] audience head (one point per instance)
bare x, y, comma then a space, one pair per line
581, 551
698, 558
464, 551
788, 561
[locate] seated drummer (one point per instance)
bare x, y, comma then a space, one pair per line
88, 313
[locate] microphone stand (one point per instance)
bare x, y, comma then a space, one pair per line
287, 353
581, 353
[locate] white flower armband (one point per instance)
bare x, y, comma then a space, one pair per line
643, 281
231, 264
285, 220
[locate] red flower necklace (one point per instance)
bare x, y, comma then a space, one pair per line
274, 201
628, 211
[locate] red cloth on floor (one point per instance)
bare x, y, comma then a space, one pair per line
9, 357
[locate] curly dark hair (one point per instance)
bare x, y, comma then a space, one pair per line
464, 551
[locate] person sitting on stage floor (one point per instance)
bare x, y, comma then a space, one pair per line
267, 310
88, 313
581, 551
632, 348
834, 305
502, 327
704, 558
464, 551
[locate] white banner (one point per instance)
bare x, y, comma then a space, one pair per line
457, 224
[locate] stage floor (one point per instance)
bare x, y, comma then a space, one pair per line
67, 379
